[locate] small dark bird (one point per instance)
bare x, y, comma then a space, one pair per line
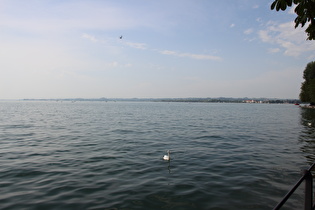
120, 37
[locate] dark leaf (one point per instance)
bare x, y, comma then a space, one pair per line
273, 5
297, 22
283, 5
278, 6
289, 2
298, 9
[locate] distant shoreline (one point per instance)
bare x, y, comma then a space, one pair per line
189, 100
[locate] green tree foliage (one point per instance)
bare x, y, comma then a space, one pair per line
308, 86
305, 11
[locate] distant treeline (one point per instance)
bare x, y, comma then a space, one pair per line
234, 100
190, 100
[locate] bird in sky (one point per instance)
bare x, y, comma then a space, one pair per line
120, 37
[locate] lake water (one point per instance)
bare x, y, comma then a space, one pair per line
98, 155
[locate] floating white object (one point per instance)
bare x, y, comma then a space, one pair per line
168, 156
309, 124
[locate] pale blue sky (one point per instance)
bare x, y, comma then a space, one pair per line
170, 48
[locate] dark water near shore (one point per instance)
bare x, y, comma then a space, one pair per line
97, 155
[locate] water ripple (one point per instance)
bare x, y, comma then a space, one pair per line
109, 155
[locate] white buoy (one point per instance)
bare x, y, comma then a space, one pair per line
168, 156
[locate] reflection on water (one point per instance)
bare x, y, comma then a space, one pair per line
307, 137
169, 167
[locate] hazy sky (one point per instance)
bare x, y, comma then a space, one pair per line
170, 48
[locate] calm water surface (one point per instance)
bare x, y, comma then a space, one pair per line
97, 155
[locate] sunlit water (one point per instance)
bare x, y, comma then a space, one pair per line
98, 155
